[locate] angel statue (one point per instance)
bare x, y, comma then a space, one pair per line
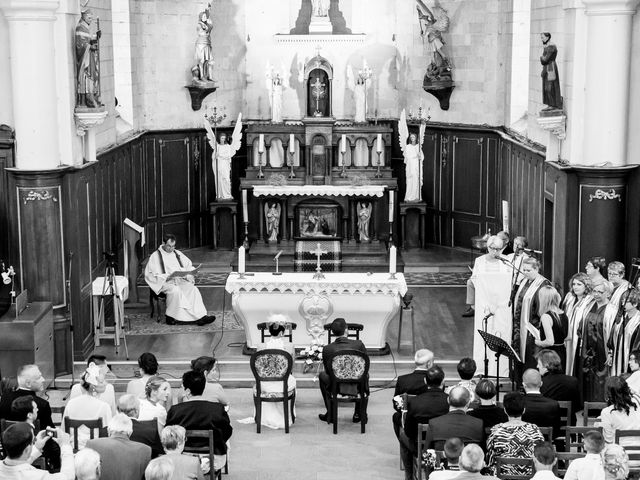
364, 215
272, 217
358, 85
433, 22
221, 157
275, 83
413, 157
202, 71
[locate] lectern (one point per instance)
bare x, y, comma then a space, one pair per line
131, 234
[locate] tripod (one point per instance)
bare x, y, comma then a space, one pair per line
110, 290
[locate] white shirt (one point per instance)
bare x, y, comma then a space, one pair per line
634, 382
588, 468
149, 411
545, 475
108, 396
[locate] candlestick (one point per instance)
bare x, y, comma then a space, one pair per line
392, 260
260, 174
343, 144
245, 207
379, 143
241, 260
292, 143
261, 143
391, 205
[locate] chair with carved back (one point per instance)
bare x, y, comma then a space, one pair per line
72, 425
510, 468
348, 369
201, 442
273, 365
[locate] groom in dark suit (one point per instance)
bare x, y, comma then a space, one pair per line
341, 343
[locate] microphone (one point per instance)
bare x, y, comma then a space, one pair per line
529, 250
278, 255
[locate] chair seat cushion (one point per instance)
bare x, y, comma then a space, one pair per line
264, 394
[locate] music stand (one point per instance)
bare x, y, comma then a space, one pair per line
500, 347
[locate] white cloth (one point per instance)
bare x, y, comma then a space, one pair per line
184, 302
588, 468
108, 396
634, 382
413, 162
492, 282
545, 475
612, 420
149, 411
335, 190
578, 310
86, 407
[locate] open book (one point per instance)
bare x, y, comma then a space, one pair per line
184, 273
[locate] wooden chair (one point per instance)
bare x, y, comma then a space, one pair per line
630, 441
353, 331
92, 425
502, 472
406, 398
566, 410
591, 412
349, 368
273, 365
564, 459
57, 412
421, 445
157, 301
574, 437
264, 331
547, 433
203, 447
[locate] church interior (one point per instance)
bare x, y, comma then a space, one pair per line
310, 160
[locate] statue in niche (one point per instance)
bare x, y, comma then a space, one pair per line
550, 79
433, 22
318, 94
202, 71
413, 157
275, 84
320, 8
222, 155
272, 218
87, 61
364, 215
358, 85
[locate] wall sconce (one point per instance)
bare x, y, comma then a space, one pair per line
393, 37
248, 38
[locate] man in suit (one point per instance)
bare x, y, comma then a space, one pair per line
421, 409
539, 410
195, 413
121, 458
30, 382
341, 343
143, 432
415, 383
456, 423
555, 384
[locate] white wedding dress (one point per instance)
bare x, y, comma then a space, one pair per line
272, 413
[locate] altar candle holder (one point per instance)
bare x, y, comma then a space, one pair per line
260, 174
378, 172
292, 174
245, 242
343, 173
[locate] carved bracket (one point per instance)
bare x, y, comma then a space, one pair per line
198, 94
89, 118
602, 195
555, 124
441, 90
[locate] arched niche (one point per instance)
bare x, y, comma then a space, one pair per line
318, 75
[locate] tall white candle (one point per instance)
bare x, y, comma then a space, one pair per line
391, 205
245, 207
343, 144
261, 143
379, 148
241, 259
392, 259
292, 143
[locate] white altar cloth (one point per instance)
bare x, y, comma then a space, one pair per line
370, 299
319, 190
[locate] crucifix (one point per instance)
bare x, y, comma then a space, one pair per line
318, 251
318, 92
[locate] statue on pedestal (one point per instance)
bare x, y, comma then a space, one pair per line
222, 155
202, 71
272, 218
364, 215
358, 85
275, 83
413, 157
87, 62
433, 22
550, 79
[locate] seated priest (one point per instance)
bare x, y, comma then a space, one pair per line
164, 273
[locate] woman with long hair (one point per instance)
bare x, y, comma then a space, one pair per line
553, 322
576, 305
622, 412
156, 393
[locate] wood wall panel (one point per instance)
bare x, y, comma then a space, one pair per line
467, 170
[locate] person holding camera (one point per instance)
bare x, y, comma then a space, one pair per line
18, 441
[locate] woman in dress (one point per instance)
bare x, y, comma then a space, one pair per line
157, 391
596, 268
576, 304
553, 322
513, 438
213, 391
488, 411
272, 413
622, 412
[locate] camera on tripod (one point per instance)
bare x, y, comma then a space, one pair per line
110, 257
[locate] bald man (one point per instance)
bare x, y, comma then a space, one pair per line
415, 383
456, 423
30, 382
538, 409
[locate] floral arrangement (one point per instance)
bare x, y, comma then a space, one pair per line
311, 355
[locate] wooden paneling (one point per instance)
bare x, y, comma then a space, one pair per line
8, 232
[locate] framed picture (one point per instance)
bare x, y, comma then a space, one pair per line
318, 221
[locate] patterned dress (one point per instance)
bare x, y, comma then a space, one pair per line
512, 440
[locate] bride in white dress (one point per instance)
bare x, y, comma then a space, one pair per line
272, 413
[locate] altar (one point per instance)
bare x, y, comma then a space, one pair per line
371, 299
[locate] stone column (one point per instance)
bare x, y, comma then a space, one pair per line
34, 88
607, 80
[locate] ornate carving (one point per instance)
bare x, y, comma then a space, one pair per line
554, 124
276, 179
315, 309
33, 196
602, 195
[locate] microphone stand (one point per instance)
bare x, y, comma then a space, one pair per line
485, 323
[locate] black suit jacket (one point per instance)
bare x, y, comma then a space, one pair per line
454, 424
44, 409
203, 415
338, 345
561, 387
542, 411
413, 383
147, 432
421, 409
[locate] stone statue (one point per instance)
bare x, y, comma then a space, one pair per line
222, 155
413, 157
320, 8
202, 71
358, 85
87, 62
275, 84
272, 218
433, 22
364, 215
550, 79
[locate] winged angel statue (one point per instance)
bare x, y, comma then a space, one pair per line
433, 22
411, 145
272, 217
221, 156
275, 83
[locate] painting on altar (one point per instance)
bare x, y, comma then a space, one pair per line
318, 221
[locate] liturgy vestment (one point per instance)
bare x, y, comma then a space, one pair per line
576, 311
620, 342
614, 310
184, 302
492, 281
526, 312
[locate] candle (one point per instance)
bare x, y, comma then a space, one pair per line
261, 143
245, 207
241, 259
343, 144
392, 259
391, 205
379, 149
292, 143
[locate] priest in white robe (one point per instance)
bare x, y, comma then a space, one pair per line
184, 302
